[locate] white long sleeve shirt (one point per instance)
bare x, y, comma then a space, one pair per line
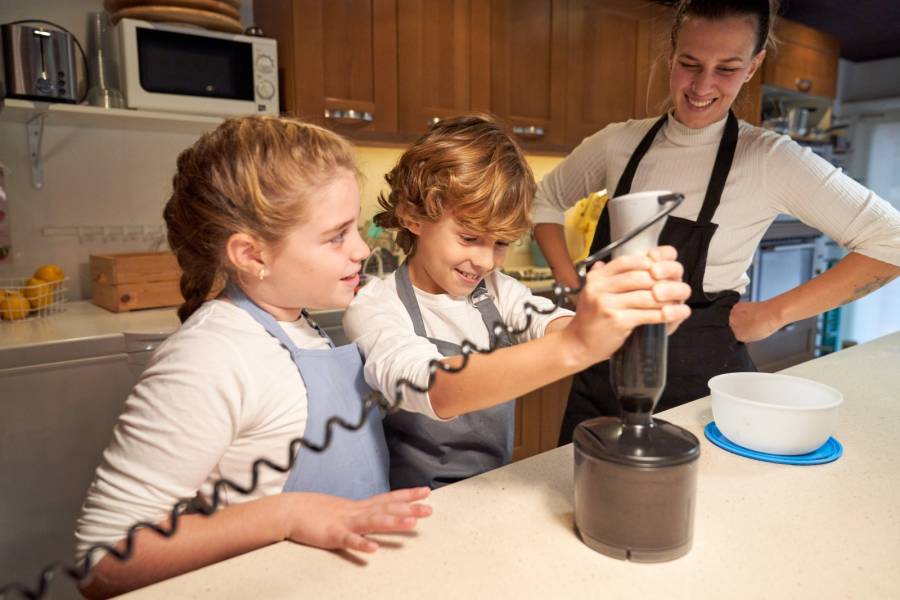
218, 394
771, 175
382, 328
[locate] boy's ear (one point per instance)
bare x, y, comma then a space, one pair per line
245, 253
414, 227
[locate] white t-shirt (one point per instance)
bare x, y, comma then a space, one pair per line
771, 174
380, 325
218, 394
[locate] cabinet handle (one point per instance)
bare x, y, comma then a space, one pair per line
349, 115
432, 121
804, 85
531, 132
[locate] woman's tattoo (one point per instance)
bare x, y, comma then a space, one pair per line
867, 288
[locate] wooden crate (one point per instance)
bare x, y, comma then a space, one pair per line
134, 280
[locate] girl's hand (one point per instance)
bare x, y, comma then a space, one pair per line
752, 321
627, 292
336, 523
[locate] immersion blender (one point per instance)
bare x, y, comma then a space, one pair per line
636, 476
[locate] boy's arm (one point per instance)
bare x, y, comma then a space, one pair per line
618, 299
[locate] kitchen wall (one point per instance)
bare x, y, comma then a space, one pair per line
869, 80
869, 99
96, 176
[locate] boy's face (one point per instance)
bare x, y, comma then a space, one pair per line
450, 259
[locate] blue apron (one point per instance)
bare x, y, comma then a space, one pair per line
355, 465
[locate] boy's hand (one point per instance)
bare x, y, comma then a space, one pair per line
623, 294
337, 523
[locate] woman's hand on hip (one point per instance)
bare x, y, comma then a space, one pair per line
753, 321
337, 523
623, 294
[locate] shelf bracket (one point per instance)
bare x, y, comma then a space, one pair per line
35, 131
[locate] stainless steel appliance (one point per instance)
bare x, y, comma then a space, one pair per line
38, 63
183, 69
789, 255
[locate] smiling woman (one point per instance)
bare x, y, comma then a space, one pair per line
736, 178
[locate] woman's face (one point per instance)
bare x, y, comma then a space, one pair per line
712, 60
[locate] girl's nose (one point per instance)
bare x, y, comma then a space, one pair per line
360, 250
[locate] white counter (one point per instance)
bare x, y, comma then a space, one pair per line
81, 330
762, 530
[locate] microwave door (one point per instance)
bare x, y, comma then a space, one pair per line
195, 66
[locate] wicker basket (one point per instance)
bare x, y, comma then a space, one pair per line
44, 298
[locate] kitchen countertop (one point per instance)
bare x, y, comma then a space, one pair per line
762, 530
81, 330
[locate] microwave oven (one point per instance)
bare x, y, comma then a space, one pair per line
173, 68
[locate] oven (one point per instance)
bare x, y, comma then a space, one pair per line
789, 255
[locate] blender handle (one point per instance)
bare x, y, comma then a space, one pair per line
672, 200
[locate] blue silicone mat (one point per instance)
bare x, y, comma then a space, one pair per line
828, 452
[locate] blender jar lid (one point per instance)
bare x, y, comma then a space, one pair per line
660, 444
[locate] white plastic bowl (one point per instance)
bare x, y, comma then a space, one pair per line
773, 413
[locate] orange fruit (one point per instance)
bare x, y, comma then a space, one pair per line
14, 306
38, 292
49, 273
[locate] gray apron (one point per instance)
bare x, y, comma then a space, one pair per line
436, 453
355, 464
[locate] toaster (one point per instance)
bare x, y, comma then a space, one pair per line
38, 63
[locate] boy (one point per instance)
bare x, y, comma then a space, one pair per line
459, 196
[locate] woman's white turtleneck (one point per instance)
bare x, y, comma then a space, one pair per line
771, 174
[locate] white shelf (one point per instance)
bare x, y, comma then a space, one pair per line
35, 115
79, 115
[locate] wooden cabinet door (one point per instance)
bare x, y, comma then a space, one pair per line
805, 61
338, 61
527, 441
443, 61
528, 77
603, 84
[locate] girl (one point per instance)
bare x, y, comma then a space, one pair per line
263, 216
736, 179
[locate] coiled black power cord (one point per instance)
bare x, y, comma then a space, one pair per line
80, 574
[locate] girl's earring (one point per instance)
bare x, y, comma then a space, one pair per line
262, 274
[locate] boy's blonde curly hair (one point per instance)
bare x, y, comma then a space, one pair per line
465, 165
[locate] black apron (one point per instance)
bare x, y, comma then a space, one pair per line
704, 345
436, 453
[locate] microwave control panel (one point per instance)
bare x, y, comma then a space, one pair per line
265, 73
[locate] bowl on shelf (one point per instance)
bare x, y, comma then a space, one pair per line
774, 413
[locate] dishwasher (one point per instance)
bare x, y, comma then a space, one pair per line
58, 405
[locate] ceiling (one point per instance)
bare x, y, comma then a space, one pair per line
867, 29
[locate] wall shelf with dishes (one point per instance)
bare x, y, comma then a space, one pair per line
36, 114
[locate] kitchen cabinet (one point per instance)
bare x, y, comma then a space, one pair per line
528, 70
538, 419
806, 60
57, 418
442, 50
615, 48
337, 62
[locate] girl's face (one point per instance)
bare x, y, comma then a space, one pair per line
451, 260
711, 62
317, 264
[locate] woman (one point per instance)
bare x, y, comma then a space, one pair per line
736, 178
